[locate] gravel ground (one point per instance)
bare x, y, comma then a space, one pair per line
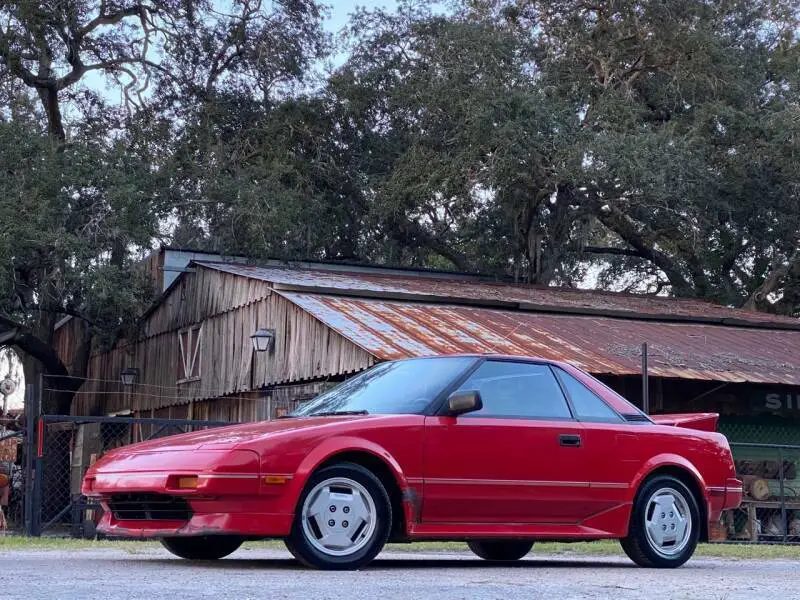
257, 573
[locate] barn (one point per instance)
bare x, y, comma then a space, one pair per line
195, 355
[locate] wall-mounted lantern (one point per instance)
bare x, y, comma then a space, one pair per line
129, 376
262, 339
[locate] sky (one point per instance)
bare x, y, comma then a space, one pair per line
340, 10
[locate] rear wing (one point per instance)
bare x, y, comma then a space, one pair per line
699, 421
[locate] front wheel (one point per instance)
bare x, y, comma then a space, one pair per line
500, 549
202, 547
342, 520
665, 524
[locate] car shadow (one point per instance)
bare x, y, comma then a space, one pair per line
388, 564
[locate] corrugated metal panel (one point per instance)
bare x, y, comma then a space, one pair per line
390, 329
485, 291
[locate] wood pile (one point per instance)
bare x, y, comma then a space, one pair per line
756, 487
761, 478
767, 469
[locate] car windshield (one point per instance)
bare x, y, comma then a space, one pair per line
403, 387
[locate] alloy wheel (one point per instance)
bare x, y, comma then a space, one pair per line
668, 522
339, 517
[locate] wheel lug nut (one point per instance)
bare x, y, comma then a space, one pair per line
663, 515
663, 527
346, 509
332, 523
671, 514
345, 524
333, 508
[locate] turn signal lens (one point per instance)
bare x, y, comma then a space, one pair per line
187, 483
275, 479
3, 480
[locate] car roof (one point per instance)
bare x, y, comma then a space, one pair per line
493, 355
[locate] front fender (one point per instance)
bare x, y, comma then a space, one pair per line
341, 444
667, 460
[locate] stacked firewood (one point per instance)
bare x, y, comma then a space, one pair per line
759, 477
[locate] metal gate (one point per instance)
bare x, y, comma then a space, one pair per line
67, 446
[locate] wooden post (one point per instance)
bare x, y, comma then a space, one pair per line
752, 518
645, 382
784, 521
31, 415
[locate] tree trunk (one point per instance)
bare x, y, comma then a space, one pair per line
40, 358
52, 108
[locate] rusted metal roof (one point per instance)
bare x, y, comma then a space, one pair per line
489, 293
391, 329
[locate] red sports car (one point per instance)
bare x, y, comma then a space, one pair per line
497, 451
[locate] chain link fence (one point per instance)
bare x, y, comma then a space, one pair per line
770, 509
766, 453
68, 446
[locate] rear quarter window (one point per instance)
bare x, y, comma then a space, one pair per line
588, 406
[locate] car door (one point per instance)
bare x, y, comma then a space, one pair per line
520, 459
613, 446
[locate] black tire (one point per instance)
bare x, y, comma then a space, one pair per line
303, 550
500, 549
203, 547
638, 546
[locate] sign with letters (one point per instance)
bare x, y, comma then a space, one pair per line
775, 401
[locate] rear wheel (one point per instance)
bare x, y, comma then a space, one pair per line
665, 524
202, 547
343, 518
500, 549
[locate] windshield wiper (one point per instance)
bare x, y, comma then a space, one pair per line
338, 413
331, 413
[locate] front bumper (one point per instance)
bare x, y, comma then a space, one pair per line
230, 495
255, 524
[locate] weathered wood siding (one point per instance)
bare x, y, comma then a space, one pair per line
202, 294
66, 339
229, 308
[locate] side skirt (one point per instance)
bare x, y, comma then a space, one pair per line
611, 523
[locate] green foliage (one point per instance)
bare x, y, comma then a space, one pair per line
87, 187
71, 221
639, 144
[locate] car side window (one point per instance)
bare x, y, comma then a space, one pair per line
517, 390
587, 405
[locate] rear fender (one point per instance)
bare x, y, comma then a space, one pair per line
668, 460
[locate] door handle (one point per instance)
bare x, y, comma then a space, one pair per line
569, 440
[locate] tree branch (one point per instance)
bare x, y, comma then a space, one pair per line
619, 223
772, 281
613, 251
110, 19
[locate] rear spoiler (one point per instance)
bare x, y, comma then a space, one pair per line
699, 421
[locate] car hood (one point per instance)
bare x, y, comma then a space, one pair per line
230, 437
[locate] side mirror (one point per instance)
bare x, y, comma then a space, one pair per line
463, 402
